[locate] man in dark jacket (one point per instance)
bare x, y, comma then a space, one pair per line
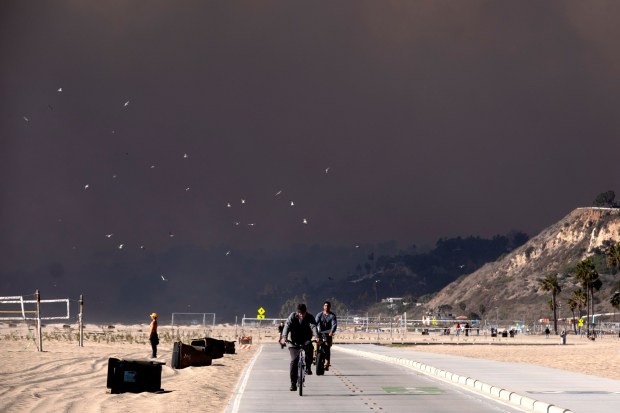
326, 321
302, 327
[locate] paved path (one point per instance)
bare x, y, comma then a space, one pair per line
566, 391
353, 384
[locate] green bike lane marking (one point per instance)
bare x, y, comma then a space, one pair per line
413, 390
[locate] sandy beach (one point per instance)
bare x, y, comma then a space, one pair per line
596, 358
68, 378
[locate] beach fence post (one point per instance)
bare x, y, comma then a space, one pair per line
81, 321
40, 339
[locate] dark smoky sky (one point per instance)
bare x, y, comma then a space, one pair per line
435, 119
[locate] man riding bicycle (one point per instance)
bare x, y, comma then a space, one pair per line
326, 321
302, 327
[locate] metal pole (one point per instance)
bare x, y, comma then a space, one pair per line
38, 297
81, 320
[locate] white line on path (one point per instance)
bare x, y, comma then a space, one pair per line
244, 381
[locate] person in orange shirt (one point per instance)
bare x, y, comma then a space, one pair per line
153, 337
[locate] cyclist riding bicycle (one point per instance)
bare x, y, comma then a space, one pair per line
326, 321
302, 327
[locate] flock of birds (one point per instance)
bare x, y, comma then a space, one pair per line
121, 244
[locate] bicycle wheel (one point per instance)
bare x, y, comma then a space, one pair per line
320, 363
300, 374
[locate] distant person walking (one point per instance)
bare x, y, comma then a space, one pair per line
280, 329
153, 337
547, 332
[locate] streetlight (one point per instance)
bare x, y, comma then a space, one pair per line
376, 297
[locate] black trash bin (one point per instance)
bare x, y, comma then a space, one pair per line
186, 356
504, 333
493, 332
134, 376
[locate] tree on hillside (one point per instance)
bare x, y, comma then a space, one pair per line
444, 308
338, 307
614, 300
613, 257
550, 284
587, 276
605, 200
473, 316
290, 305
577, 300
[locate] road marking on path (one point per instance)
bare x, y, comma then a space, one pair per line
244, 381
413, 390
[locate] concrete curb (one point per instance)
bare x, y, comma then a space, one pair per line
507, 396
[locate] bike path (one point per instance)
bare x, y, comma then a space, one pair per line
539, 388
353, 384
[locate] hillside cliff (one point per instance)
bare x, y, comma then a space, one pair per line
511, 282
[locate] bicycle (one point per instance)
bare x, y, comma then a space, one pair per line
322, 352
301, 365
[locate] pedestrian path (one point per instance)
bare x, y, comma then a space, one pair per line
535, 388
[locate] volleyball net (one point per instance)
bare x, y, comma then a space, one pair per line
15, 308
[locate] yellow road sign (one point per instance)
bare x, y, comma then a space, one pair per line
580, 322
261, 310
260, 316
434, 322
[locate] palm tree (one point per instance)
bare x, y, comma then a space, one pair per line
587, 276
579, 299
550, 284
572, 305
